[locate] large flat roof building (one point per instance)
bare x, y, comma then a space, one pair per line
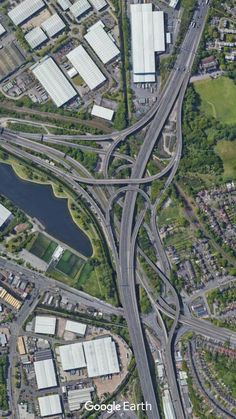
45, 374
11, 58
50, 405
5, 216
53, 25
2, 29
64, 4
72, 356
54, 81
35, 37
98, 4
78, 397
101, 357
102, 44
102, 112
76, 327
45, 325
86, 67
148, 37
25, 10
79, 8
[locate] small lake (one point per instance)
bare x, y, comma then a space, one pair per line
39, 201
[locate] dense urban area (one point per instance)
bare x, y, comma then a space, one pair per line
118, 209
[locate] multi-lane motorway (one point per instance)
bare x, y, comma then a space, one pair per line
124, 255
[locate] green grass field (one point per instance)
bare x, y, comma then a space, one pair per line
43, 247
218, 98
227, 152
70, 264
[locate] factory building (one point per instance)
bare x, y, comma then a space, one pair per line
54, 81
53, 25
98, 4
72, 356
75, 327
50, 405
148, 37
2, 30
45, 325
45, 374
64, 4
102, 43
35, 37
79, 8
25, 10
86, 67
5, 217
101, 357
102, 112
76, 398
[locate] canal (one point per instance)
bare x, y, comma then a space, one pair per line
39, 201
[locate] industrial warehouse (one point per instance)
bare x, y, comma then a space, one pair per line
86, 67
101, 43
148, 37
25, 10
54, 81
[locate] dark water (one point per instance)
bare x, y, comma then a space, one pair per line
39, 201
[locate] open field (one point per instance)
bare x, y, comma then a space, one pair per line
69, 264
227, 152
218, 98
43, 247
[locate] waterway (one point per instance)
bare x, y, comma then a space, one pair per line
40, 202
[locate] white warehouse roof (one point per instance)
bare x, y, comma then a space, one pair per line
148, 37
35, 37
101, 357
79, 8
54, 81
24, 10
78, 397
64, 4
72, 356
102, 112
50, 405
86, 67
45, 374
45, 325
75, 327
53, 25
98, 4
102, 44
2, 29
5, 214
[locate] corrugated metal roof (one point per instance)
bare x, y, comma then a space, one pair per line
86, 67
101, 357
2, 29
98, 4
4, 214
102, 112
101, 43
35, 37
54, 81
64, 4
45, 325
45, 374
24, 10
75, 327
53, 25
72, 356
80, 7
50, 405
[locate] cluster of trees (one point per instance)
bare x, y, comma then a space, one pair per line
19, 216
200, 134
3, 387
223, 298
225, 369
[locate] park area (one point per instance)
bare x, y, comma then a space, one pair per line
43, 247
227, 152
218, 98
